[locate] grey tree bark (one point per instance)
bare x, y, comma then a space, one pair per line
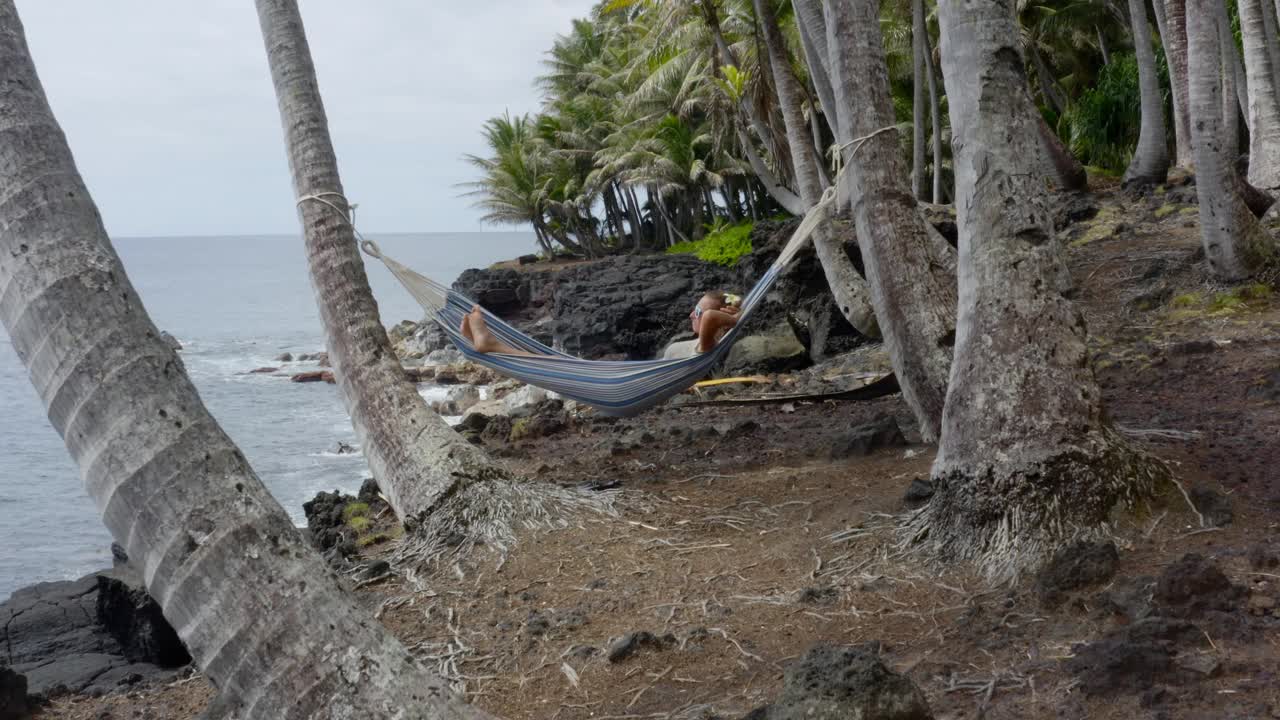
1233, 68
1264, 103
232, 574
1150, 163
779, 192
1026, 461
813, 41
913, 285
918, 100
1172, 16
415, 456
1235, 244
935, 120
847, 286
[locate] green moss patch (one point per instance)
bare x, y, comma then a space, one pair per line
723, 246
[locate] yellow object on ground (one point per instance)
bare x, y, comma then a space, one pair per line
732, 380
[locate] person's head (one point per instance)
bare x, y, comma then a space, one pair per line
719, 299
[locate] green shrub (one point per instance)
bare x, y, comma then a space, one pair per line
1101, 126
354, 510
359, 523
722, 246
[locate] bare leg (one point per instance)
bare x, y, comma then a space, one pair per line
477, 331
711, 326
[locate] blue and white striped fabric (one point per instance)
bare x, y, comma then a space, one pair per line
614, 387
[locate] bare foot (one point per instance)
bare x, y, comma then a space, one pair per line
466, 327
478, 331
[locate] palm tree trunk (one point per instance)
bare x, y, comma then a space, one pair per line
1231, 112
779, 192
813, 41
1172, 16
1150, 162
912, 291
1026, 461
233, 576
1235, 244
935, 119
1048, 88
847, 286
918, 100
789, 102
1264, 105
1231, 60
1271, 40
1102, 44
415, 456
758, 125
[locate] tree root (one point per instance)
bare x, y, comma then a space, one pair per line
1009, 521
490, 512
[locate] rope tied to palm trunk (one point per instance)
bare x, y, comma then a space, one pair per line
349, 215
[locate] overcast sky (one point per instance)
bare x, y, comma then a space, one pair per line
169, 109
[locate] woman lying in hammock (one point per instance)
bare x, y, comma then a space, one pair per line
712, 317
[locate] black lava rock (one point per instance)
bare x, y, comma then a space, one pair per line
862, 440
836, 683
1076, 566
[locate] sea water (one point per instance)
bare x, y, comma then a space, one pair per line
235, 304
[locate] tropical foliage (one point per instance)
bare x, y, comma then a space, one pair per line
660, 117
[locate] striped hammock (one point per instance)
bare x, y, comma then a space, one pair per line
614, 387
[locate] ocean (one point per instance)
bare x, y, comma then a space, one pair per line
234, 303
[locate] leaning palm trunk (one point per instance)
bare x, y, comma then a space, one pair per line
415, 456
1235, 244
935, 120
1173, 36
813, 42
913, 289
263, 616
1264, 103
1150, 163
847, 286
918, 100
1236, 90
1026, 461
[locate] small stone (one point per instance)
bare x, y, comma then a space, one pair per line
862, 440
1213, 505
631, 643
284, 357
1263, 557
1262, 604
918, 492
1193, 347
1204, 664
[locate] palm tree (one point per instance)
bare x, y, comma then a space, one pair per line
1173, 36
1026, 460
919, 35
415, 456
234, 577
1150, 163
849, 288
1235, 244
1262, 67
913, 287
512, 189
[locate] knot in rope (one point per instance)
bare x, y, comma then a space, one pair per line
349, 215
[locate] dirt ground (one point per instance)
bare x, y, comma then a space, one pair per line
741, 542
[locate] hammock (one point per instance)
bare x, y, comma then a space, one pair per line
614, 387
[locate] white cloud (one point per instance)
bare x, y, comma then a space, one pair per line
169, 109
